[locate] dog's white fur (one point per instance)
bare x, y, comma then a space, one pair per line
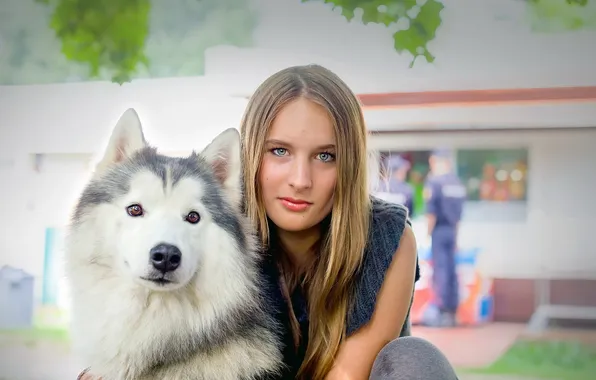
121, 322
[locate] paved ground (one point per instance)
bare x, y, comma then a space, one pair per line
45, 361
475, 346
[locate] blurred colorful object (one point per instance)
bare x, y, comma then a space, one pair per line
475, 290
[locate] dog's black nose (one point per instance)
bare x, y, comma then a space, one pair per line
165, 257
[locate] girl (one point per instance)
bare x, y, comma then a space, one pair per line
342, 263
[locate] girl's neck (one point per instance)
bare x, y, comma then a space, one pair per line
299, 246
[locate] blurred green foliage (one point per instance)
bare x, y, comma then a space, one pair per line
554, 16
105, 34
116, 40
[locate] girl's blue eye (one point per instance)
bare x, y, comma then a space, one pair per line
326, 157
279, 151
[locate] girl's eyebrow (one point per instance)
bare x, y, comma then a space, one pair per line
286, 144
276, 142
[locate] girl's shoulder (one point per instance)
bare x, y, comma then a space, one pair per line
387, 219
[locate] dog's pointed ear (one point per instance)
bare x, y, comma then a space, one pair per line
223, 155
126, 139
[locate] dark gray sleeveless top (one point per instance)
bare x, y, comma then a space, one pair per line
388, 224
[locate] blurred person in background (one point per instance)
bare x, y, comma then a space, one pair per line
396, 188
445, 196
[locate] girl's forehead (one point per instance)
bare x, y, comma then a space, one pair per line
302, 119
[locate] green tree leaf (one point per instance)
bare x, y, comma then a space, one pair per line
422, 30
423, 20
105, 34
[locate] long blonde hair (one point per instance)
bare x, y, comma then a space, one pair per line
328, 283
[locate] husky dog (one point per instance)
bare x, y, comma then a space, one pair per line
163, 266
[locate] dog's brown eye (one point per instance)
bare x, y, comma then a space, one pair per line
135, 210
193, 217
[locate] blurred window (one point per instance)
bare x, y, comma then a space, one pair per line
494, 175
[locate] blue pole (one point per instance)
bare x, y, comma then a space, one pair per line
49, 284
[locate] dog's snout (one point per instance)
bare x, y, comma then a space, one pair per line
165, 257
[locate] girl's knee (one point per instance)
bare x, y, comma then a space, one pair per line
411, 358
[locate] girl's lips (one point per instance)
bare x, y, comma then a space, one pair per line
295, 205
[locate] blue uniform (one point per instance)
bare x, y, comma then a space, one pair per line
445, 196
395, 190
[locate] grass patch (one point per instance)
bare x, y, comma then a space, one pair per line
563, 360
